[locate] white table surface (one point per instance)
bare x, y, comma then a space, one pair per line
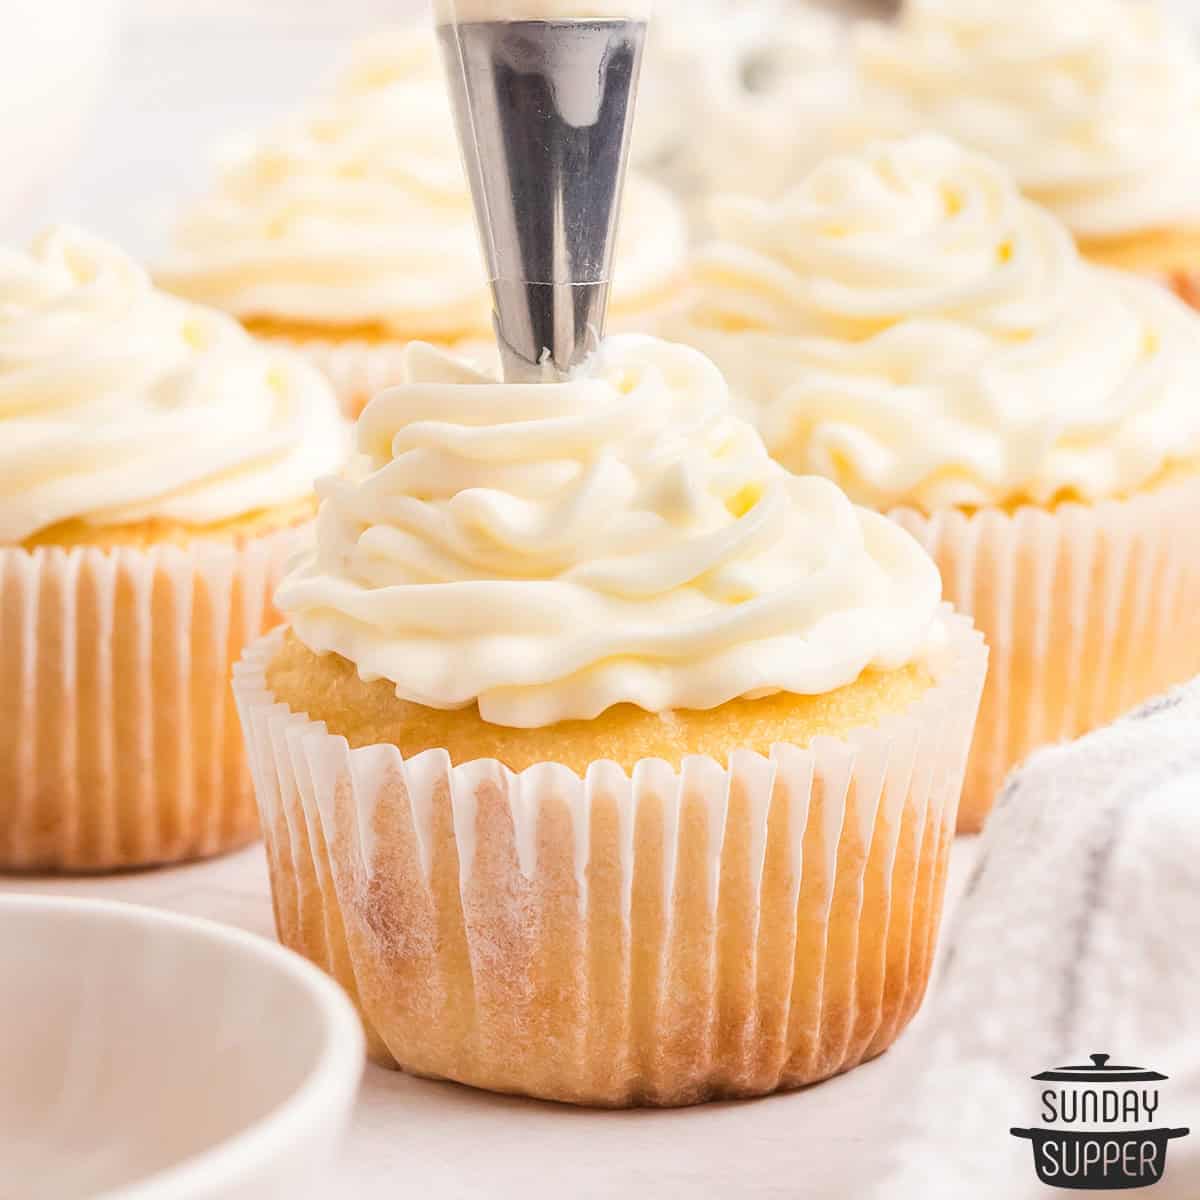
444, 1142
187, 73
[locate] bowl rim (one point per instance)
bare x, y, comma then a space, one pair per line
328, 1087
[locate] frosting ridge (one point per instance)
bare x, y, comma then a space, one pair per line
120, 404
550, 550
907, 323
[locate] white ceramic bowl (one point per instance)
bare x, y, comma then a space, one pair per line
147, 1056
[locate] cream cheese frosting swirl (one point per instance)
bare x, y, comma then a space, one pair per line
1093, 105
357, 213
909, 324
120, 404
548, 551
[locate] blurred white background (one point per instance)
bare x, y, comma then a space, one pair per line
119, 104
110, 110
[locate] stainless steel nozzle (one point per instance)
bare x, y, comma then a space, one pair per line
544, 111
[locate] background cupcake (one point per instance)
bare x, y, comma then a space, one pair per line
604, 760
908, 324
154, 465
1094, 106
769, 69
349, 231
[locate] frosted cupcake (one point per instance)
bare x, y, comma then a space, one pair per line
155, 464
1093, 105
348, 231
604, 760
908, 324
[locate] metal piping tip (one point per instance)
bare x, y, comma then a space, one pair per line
544, 111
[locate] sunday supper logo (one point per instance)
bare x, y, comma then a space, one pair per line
1101, 1128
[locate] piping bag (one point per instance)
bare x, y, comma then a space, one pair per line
544, 94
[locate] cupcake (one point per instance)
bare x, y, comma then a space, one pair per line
348, 231
603, 760
906, 323
155, 465
1093, 105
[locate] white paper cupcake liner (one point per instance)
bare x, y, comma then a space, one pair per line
119, 742
1087, 610
659, 937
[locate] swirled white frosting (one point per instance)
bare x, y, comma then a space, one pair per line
551, 550
119, 403
907, 323
357, 213
1093, 104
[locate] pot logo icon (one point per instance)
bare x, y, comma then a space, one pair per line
1101, 1128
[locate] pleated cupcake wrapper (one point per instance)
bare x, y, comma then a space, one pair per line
119, 740
1087, 611
656, 937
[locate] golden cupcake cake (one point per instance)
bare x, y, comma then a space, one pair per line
603, 760
1094, 106
155, 464
908, 324
348, 230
